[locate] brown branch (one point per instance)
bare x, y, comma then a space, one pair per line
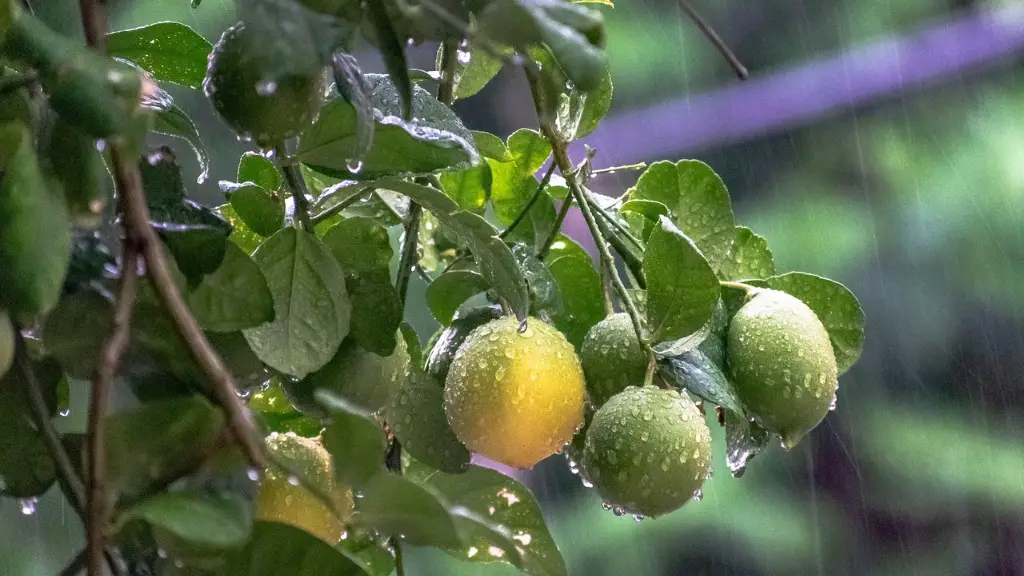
136, 224
110, 359
716, 40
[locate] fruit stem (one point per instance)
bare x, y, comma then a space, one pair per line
545, 248
747, 288
297, 189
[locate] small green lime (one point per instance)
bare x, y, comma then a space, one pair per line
515, 397
647, 451
612, 358
267, 110
282, 499
781, 361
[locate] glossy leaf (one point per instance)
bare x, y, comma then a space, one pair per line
694, 372
580, 287
682, 290
276, 413
473, 76
393, 51
233, 297
261, 212
352, 85
206, 521
449, 290
258, 169
395, 505
749, 258
173, 121
75, 330
358, 376
743, 440
311, 306
274, 545
170, 51
354, 439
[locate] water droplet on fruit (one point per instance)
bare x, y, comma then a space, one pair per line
698, 495
293, 480
266, 87
253, 473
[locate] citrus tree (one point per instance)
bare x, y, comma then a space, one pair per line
281, 416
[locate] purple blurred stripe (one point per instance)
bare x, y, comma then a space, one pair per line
804, 93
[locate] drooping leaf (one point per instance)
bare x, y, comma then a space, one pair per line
170, 51
206, 521
173, 121
698, 201
580, 287
395, 505
393, 51
276, 413
148, 444
449, 290
273, 545
234, 297
261, 212
258, 169
471, 77
25, 463
358, 376
311, 306
692, 371
743, 440
749, 258
682, 289
354, 439
354, 88
505, 502
416, 416
497, 264
35, 235
836, 307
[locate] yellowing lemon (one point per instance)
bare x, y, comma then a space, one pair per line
281, 500
515, 397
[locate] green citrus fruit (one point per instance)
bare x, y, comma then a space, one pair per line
647, 451
612, 358
268, 110
515, 397
782, 364
6, 343
280, 500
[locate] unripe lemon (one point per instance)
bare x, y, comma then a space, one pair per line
612, 358
282, 501
515, 397
6, 343
647, 450
268, 110
782, 364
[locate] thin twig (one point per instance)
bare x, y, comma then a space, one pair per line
716, 40
618, 226
340, 206
449, 63
533, 200
106, 368
408, 257
556, 228
614, 169
297, 188
136, 222
633, 263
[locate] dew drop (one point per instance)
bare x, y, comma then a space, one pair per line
253, 473
354, 165
698, 495
28, 505
266, 87
463, 54
65, 412
293, 480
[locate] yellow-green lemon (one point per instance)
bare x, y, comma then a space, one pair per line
612, 358
268, 110
782, 364
283, 500
647, 451
6, 343
514, 396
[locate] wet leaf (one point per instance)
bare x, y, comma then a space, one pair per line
682, 290
449, 290
354, 439
170, 51
233, 297
273, 545
694, 372
203, 520
749, 258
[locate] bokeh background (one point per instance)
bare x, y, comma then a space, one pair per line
878, 142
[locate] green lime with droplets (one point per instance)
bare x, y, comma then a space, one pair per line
612, 358
782, 364
648, 451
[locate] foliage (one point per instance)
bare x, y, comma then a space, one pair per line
283, 295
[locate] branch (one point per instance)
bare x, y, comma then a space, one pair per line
716, 40
136, 225
106, 368
559, 219
408, 257
297, 189
533, 200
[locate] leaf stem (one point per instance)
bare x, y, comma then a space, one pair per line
408, 257
136, 225
614, 169
339, 207
545, 248
533, 200
747, 288
635, 265
106, 368
297, 188
716, 40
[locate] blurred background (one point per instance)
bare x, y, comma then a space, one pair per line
877, 142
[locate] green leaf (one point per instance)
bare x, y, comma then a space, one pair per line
258, 169
694, 372
277, 414
579, 112
449, 290
511, 189
580, 287
434, 140
352, 85
261, 212
412, 343
506, 502
274, 546
173, 121
469, 188
241, 235
359, 245
311, 306
472, 77
205, 521
743, 440
490, 146
170, 51
25, 462
497, 264
698, 201
836, 307
375, 559
441, 354
233, 297
77, 165
393, 51
682, 289
529, 150
416, 417
360, 377
649, 210
749, 258
35, 236
161, 438
545, 297
354, 439
75, 330
394, 505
